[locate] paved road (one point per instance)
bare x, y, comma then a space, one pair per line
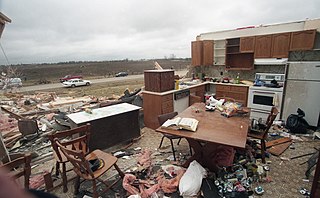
94, 81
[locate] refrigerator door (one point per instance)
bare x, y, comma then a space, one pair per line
304, 95
303, 71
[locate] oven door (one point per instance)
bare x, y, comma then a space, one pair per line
263, 100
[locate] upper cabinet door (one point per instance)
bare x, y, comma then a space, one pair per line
262, 47
208, 52
302, 40
196, 53
280, 45
247, 44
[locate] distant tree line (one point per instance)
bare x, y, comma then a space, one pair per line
170, 57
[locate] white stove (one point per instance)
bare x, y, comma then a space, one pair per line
262, 98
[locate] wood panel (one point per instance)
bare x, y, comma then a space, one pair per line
159, 80
239, 93
280, 45
196, 53
302, 40
198, 91
239, 61
154, 105
262, 47
208, 52
247, 44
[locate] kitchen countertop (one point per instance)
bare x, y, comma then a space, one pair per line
193, 86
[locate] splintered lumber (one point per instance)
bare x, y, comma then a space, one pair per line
40, 112
277, 141
157, 66
16, 116
279, 149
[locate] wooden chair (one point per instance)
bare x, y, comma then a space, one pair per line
20, 167
263, 134
80, 161
28, 127
60, 158
162, 118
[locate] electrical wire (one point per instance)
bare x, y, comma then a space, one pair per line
5, 55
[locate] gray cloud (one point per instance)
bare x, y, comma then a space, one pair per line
54, 31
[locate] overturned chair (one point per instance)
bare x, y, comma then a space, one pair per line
89, 166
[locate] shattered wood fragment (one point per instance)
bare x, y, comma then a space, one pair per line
9, 142
16, 116
279, 149
40, 112
277, 141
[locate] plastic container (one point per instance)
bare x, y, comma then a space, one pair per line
176, 82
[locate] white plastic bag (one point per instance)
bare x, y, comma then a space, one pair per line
190, 182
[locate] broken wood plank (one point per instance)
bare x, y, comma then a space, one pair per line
14, 115
277, 141
14, 137
40, 112
277, 150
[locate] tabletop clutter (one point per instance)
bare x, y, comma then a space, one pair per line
227, 108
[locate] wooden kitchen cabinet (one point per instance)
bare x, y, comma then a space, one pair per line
202, 53
302, 40
280, 45
154, 105
247, 44
235, 60
262, 47
198, 91
159, 80
196, 53
208, 52
239, 93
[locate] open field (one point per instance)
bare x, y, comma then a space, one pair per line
93, 70
32, 74
110, 90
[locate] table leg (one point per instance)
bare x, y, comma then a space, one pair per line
197, 148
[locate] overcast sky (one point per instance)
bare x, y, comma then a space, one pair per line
44, 31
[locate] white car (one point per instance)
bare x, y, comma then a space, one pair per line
76, 82
10, 83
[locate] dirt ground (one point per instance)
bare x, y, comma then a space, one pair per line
109, 90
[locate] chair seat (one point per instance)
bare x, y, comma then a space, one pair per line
256, 134
108, 160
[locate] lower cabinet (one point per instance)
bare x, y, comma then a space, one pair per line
154, 105
198, 91
239, 93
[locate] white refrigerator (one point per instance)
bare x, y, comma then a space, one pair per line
302, 90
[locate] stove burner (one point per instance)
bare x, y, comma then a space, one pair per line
272, 85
